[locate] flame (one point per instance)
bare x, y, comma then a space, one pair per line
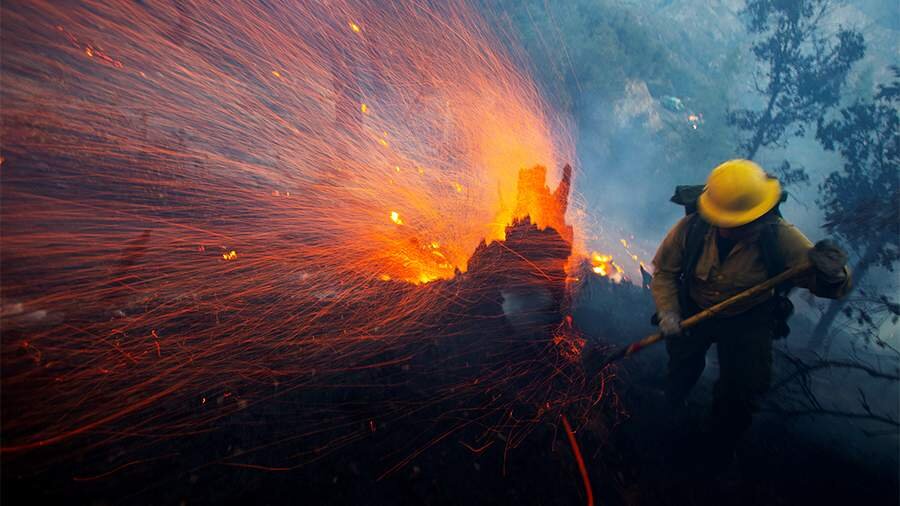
454, 105
604, 266
601, 264
196, 125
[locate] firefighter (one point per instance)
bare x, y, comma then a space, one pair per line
734, 240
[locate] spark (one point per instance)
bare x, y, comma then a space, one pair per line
582, 469
122, 181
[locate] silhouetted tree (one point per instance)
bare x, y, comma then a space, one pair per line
802, 70
862, 200
798, 391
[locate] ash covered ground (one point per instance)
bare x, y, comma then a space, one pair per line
463, 419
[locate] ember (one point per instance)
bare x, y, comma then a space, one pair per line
212, 209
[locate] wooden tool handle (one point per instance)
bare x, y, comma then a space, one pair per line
790, 274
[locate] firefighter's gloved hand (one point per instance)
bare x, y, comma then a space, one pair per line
669, 323
829, 260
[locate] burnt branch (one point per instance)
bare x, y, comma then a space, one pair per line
797, 386
864, 415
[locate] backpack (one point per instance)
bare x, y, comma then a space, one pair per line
697, 228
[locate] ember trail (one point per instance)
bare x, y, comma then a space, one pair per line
399, 252
212, 212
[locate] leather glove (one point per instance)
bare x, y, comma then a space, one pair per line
829, 260
669, 323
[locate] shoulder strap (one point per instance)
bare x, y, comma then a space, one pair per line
693, 244
768, 246
693, 248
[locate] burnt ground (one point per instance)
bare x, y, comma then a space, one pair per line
463, 446
780, 461
629, 450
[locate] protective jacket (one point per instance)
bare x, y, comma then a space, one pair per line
714, 281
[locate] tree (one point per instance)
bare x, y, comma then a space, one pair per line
861, 201
802, 70
798, 392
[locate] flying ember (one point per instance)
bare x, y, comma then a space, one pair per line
182, 222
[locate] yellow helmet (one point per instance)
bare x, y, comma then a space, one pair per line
736, 193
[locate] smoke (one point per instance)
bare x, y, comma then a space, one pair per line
619, 63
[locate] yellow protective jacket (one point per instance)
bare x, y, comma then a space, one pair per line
743, 268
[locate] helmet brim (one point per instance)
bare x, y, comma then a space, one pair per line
726, 218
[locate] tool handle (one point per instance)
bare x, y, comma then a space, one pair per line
790, 274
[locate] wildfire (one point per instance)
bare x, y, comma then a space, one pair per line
601, 264
128, 144
604, 265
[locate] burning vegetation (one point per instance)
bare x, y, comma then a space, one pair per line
208, 215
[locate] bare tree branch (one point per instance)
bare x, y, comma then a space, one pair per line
875, 417
804, 396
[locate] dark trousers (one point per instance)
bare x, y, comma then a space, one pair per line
744, 346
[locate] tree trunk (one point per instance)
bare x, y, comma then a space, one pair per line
820, 337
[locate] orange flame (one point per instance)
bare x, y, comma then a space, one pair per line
163, 126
